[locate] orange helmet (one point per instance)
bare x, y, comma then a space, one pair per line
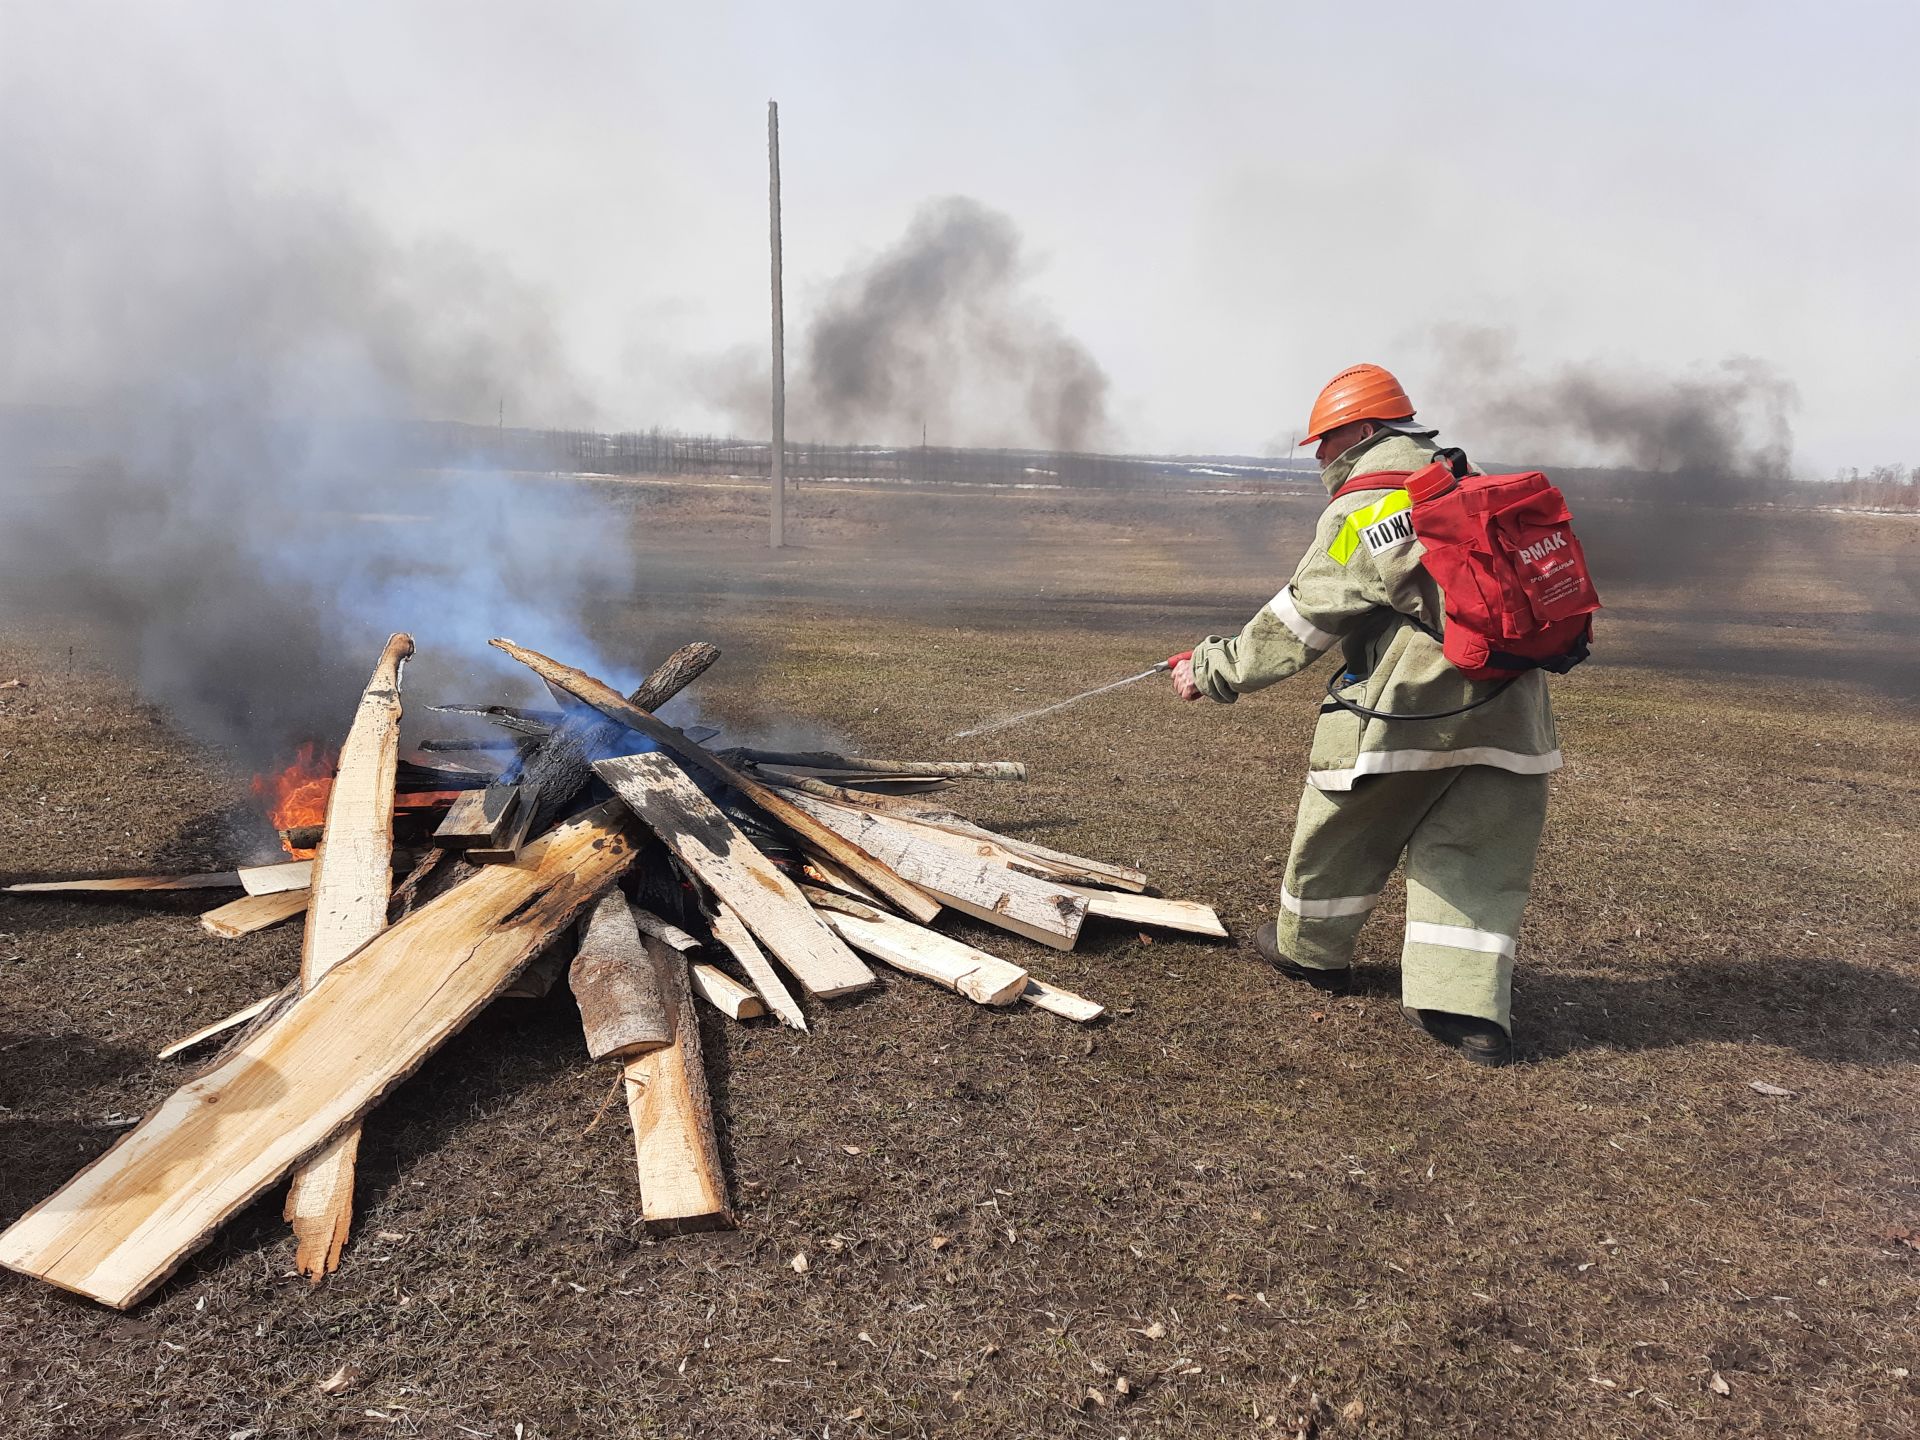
1360, 392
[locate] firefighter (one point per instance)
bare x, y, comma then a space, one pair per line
1463, 797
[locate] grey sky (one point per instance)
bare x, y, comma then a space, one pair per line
1224, 203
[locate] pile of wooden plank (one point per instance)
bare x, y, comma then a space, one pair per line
610, 847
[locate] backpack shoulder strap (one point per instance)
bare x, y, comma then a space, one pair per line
1379, 480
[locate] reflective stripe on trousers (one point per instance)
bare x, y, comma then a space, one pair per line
1469, 835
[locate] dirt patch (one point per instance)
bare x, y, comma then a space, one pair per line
1254, 1205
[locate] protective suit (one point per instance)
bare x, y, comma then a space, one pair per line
1464, 797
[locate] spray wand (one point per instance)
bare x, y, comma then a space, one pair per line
1162, 668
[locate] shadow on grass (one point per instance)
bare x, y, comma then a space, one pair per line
1824, 1009
42, 1155
90, 910
59, 1066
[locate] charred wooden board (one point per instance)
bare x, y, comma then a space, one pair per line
562, 767
871, 872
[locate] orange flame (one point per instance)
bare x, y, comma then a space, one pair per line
297, 795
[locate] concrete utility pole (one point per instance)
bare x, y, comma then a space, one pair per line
779, 447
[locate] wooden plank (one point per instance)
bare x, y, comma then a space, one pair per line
981, 845
536, 982
1188, 915
560, 768
519, 720
478, 817
733, 937
1063, 1003
979, 976
129, 884
464, 823
412, 775
622, 1009
1058, 864
514, 830
272, 879
218, 1027
254, 912
120, 1227
824, 872
610, 703
726, 994
651, 924
682, 1185
713, 848
891, 769
352, 882
1038, 909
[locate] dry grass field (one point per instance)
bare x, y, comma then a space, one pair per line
1237, 1208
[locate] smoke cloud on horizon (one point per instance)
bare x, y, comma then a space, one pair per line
939, 330
1717, 430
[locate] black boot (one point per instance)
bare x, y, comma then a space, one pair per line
1266, 940
1480, 1041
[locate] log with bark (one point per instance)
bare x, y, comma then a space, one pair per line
617, 985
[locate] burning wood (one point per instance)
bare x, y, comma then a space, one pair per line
296, 797
401, 968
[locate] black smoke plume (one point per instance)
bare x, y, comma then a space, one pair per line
1719, 430
940, 331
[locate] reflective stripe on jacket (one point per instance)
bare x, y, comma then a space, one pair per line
1361, 586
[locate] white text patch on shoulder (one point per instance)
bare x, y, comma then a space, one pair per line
1388, 534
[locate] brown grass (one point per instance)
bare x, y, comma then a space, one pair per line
1266, 1212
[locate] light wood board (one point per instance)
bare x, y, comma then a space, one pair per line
352, 881
983, 978
733, 937
1188, 915
129, 884
726, 994
728, 863
1038, 909
1063, 1003
120, 1227
282, 875
682, 1185
218, 1027
254, 912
